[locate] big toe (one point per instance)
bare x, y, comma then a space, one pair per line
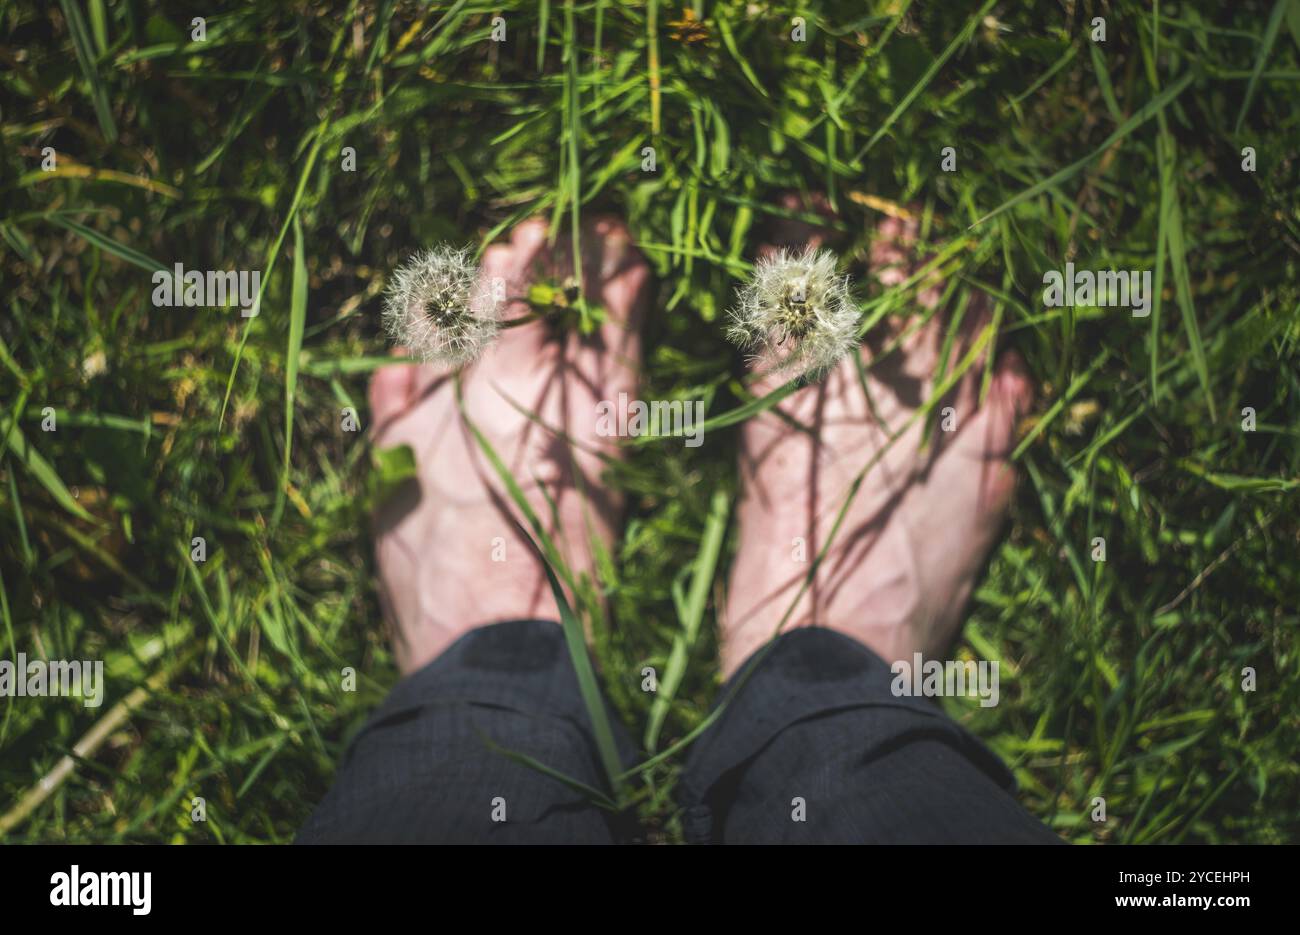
391, 389
989, 439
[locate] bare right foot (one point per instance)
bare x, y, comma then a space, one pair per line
905, 558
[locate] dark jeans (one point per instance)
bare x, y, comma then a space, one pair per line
813, 748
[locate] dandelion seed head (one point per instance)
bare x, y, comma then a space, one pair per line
438, 306
795, 313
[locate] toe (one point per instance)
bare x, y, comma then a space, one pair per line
391, 389
607, 253
625, 296
893, 250
499, 270
528, 236
989, 437
511, 267
622, 272
512, 263
1015, 383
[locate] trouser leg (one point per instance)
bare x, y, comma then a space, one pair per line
429, 768
814, 747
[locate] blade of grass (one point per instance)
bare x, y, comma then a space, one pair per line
81, 44
41, 469
1148, 110
269, 265
1057, 407
78, 171
1103, 81
297, 318
1165, 169
90, 742
598, 798
958, 41
706, 561
543, 15
1182, 288
730, 417
120, 251
729, 41
652, 51
574, 121
1261, 56
13, 650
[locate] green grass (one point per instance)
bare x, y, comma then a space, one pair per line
1119, 679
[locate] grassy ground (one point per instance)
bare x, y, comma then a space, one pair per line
1120, 679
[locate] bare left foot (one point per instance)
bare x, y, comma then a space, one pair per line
449, 552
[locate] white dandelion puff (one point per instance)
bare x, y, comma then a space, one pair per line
438, 306
795, 313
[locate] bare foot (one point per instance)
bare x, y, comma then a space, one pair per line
449, 553
903, 562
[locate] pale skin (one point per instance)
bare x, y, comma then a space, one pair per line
897, 575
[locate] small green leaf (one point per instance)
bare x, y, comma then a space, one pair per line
390, 469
